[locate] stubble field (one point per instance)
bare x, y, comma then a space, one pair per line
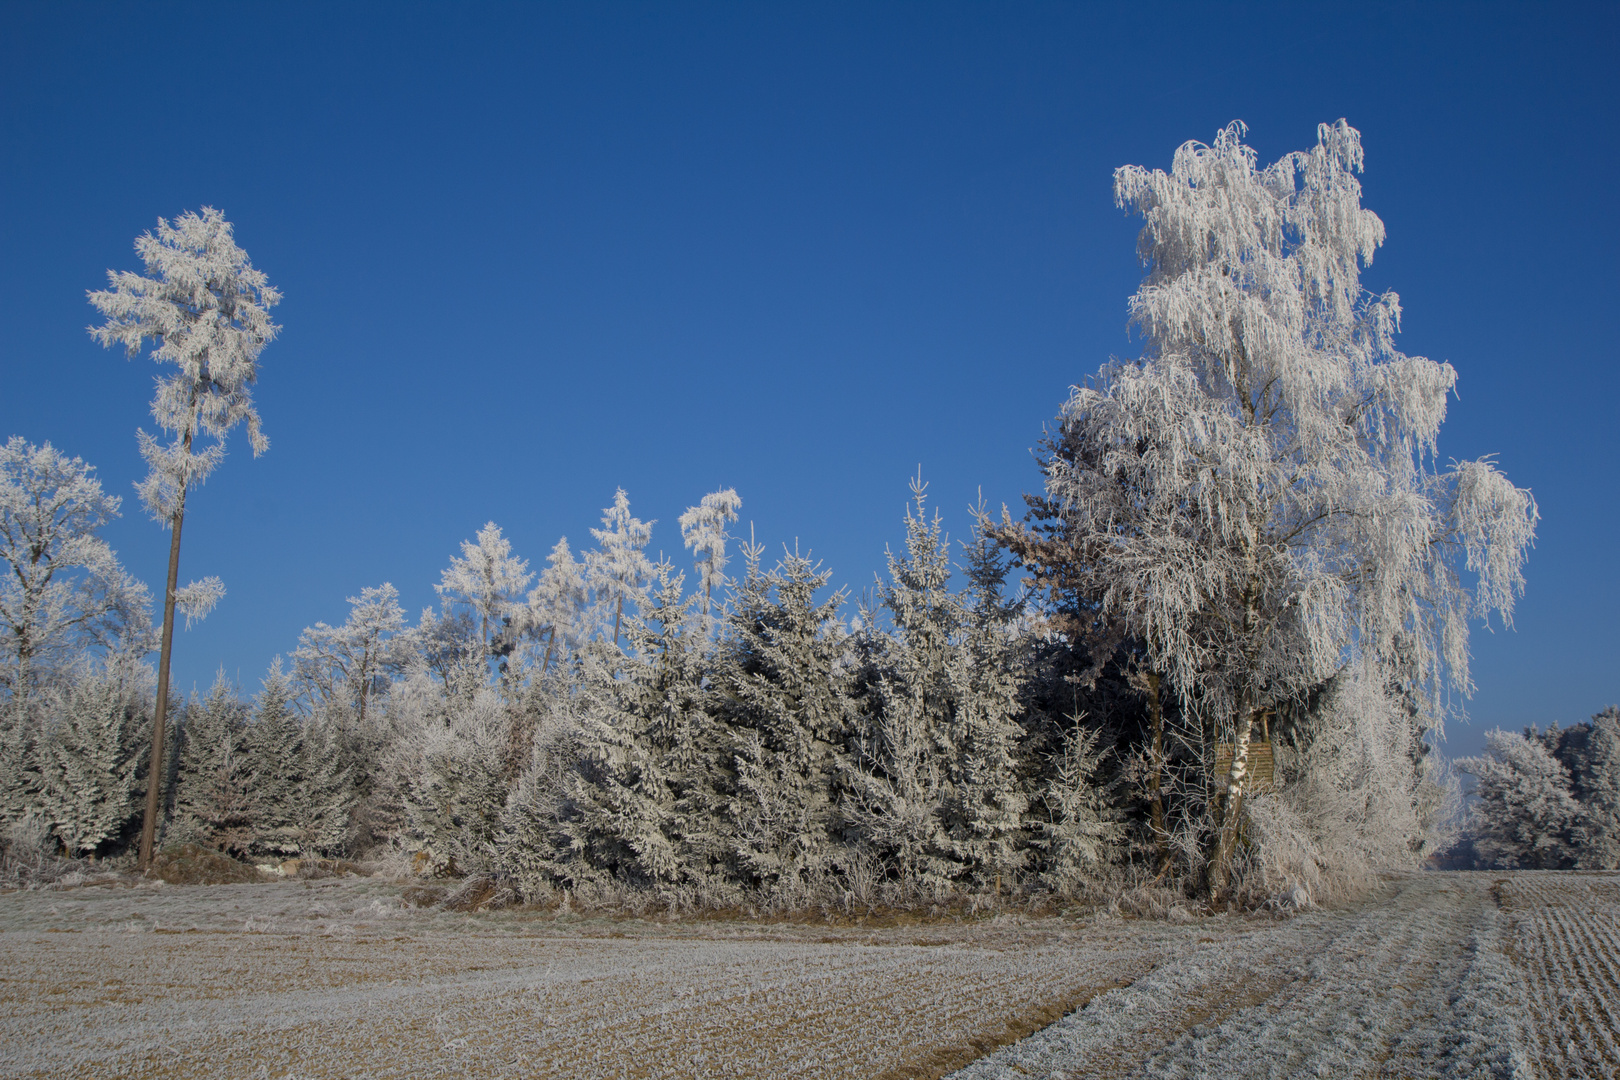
1441, 974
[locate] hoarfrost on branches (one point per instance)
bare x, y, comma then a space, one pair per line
1264, 475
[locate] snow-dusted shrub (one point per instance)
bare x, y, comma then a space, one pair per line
1526, 816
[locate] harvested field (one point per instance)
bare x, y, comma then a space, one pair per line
1446, 974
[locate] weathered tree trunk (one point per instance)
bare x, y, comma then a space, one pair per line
160, 712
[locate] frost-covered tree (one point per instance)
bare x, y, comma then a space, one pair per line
207, 311
355, 657
556, 608
89, 758
62, 590
641, 795
984, 815
455, 781
618, 569
1526, 816
216, 798
783, 698
1591, 753
489, 581
1264, 475
703, 528
906, 748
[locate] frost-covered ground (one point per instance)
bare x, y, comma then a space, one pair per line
1445, 974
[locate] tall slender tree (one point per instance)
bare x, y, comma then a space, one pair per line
205, 310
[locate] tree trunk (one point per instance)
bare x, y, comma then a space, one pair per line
1220, 870
1161, 835
160, 713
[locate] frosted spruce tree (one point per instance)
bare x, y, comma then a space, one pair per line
1526, 816
618, 570
782, 695
905, 751
217, 799
89, 757
703, 528
985, 814
1591, 753
641, 793
206, 311
1284, 508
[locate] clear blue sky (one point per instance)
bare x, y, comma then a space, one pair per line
531, 253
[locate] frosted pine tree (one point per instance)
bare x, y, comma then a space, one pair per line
275, 743
1526, 816
208, 312
326, 792
1286, 511
87, 761
639, 772
1072, 826
455, 788
703, 528
618, 570
216, 799
782, 695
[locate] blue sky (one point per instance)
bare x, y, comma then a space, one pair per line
531, 253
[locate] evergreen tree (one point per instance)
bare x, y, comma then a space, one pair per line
1591, 753
87, 767
906, 749
275, 744
984, 817
782, 696
455, 788
216, 800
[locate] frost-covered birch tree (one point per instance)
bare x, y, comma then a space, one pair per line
206, 311
1285, 507
63, 591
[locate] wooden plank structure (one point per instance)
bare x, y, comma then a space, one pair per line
1262, 773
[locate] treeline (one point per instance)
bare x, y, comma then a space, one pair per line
611, 729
